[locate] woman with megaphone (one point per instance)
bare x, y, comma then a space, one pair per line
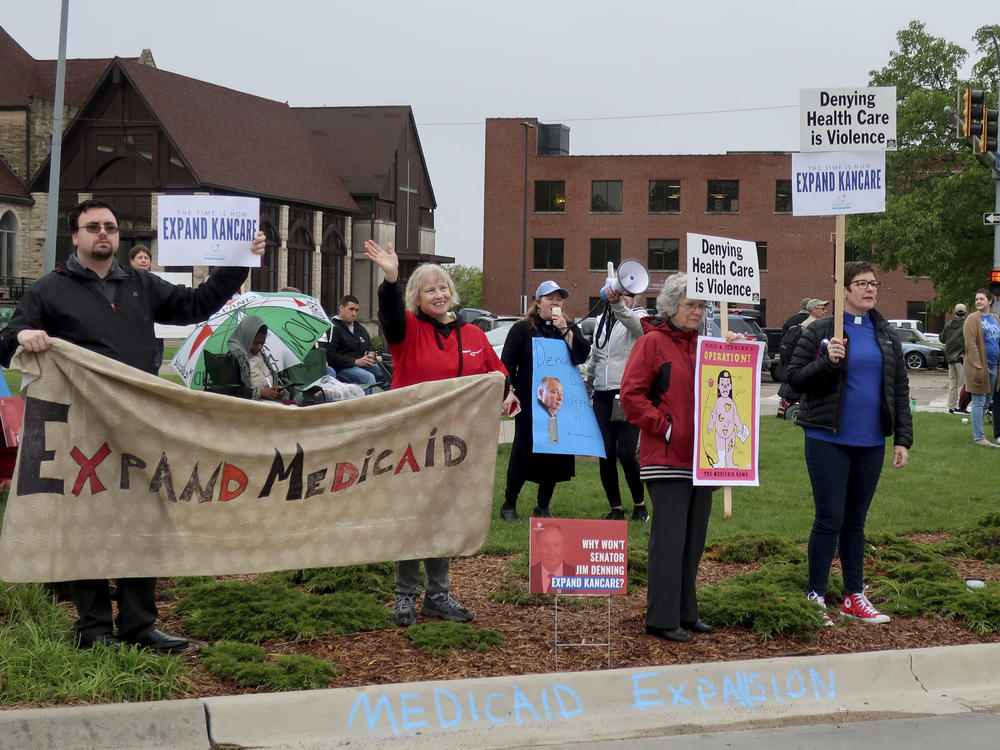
614, 336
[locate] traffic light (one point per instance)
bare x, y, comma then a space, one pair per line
972, 113
995, 282
988, 133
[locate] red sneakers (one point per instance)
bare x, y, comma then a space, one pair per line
858, 607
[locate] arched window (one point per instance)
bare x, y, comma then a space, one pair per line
332, 253
300, 254
265, 278
8, 244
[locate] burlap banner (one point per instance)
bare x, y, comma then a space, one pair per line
121, 474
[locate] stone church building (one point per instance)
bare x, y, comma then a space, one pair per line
328, 178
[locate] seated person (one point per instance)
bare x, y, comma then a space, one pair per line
350, 352
259, 379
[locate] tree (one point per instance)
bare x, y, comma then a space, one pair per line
936, 189
469, 283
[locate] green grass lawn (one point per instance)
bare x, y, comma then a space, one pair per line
942, 487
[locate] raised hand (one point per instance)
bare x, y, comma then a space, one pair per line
386, 259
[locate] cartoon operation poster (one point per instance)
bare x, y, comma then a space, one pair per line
727, 392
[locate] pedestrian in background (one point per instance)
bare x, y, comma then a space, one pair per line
982, 356
954, 353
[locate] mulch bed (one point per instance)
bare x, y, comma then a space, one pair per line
388, 656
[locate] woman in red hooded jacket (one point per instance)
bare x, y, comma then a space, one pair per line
657, 394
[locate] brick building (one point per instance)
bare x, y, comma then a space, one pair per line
582, 211
133, 132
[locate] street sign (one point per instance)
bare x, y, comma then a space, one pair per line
842, 119
993, 218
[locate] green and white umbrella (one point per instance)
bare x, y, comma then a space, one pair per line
295, 322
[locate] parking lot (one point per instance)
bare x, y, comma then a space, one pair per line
929, 387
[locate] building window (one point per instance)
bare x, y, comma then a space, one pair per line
723, 196
602, 250
606, 196
550, 196
664, 196
8, 246
762, 256
664, 255
782, 196
548, 253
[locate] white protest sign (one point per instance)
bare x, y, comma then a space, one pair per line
849, 119
207, 230
719, 268
166, 330
838, 182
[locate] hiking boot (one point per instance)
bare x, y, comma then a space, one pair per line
540, 512
858, 607
404, 611
445, 606
616, 514
508, 512
639, 513
820, 602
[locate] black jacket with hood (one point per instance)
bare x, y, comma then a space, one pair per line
114, 316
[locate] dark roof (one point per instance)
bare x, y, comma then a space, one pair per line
361, 143
24, 76
237, 141
11, 186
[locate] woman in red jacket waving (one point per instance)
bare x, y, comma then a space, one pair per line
427, 342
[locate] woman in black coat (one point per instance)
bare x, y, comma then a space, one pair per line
855, 394
545, 319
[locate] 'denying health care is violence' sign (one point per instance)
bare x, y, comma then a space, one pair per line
720, 268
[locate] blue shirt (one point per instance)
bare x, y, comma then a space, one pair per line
991, 334
861, 411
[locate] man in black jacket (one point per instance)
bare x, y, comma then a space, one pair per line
350, 352
95, 302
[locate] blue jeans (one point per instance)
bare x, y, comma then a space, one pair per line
980, 403
363, 376
844, 478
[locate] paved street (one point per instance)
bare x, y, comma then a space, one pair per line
930, 388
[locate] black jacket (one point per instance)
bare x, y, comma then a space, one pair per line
345, 347
821, 382
114, 316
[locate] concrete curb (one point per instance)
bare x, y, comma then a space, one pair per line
533, 710
170, 725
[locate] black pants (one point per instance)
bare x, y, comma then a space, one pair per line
136, 607
620, 442
676, 541
513, 489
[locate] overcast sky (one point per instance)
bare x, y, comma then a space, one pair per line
628, 77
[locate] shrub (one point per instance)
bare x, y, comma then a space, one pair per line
254, 612
249, 666
441, 637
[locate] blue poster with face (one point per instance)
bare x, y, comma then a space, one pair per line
562, 418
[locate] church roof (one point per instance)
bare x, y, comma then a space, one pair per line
11, 186
236, 141
361, 143
24, 76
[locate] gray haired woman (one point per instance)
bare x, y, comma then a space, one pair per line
657, 394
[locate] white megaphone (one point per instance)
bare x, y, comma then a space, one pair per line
632, 278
